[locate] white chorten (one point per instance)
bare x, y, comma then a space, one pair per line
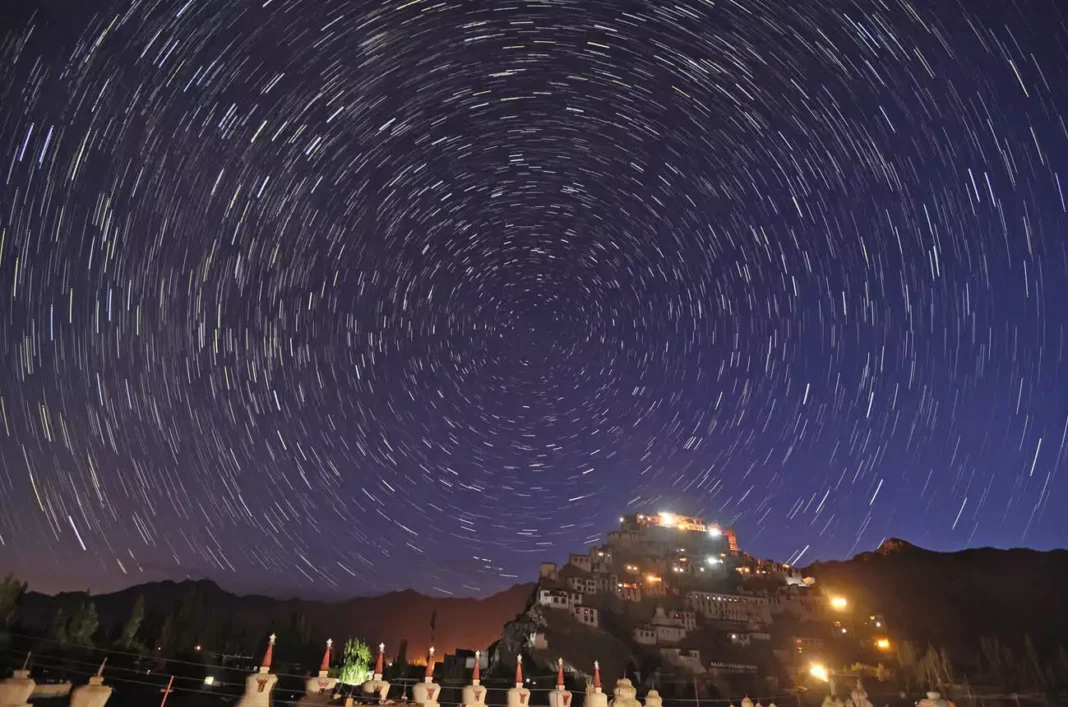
95, 694
624, 694
323, 683
16, 690
518, 696
653, 699
860, 696
427, 692
596, 698
935, 699
376, 685
475, 693
258, 685
560, 697
746, 702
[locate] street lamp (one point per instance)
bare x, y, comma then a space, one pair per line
839, 603
819, 672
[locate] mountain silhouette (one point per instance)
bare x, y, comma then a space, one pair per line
952, 599
226, 622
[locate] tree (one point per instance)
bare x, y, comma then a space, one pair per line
1034, 676
11, 591
128, 640
187, 621
58, 630
355, 663
878, 672
937, 670
83, 624
399, 668
912, 673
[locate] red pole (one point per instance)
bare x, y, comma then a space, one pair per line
166, 691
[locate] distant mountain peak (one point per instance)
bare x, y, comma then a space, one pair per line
893, 546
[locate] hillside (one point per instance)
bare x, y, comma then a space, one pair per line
953, 599
202, 612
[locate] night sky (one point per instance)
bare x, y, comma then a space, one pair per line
329, 298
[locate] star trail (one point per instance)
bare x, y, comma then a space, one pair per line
323, 296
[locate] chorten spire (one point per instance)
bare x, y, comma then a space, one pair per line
476, 675
379, 661
430, 666
265, 666
597, 676
519, 671
560, 673
324, 667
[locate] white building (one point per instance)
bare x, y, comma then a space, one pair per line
559, 599
629, 591
586, 614
655, 586
583, 585
731, 607
669, 635
644, 635
690, 661
684, 619
583, 562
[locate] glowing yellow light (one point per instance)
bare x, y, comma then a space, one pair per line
667, 520
839, 603
883, 644
819, 672
715, 532
652, 578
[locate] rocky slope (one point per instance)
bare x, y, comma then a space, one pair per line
952, 599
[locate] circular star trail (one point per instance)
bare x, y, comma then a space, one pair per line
349, 296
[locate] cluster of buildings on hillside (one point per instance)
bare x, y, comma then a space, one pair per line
683, 574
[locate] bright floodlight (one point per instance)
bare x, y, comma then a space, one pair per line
819, 672
715, 532
839, 603
713, 560
667, 520
883, 644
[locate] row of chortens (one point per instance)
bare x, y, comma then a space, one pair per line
16, 690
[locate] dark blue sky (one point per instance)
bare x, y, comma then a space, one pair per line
326, 297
